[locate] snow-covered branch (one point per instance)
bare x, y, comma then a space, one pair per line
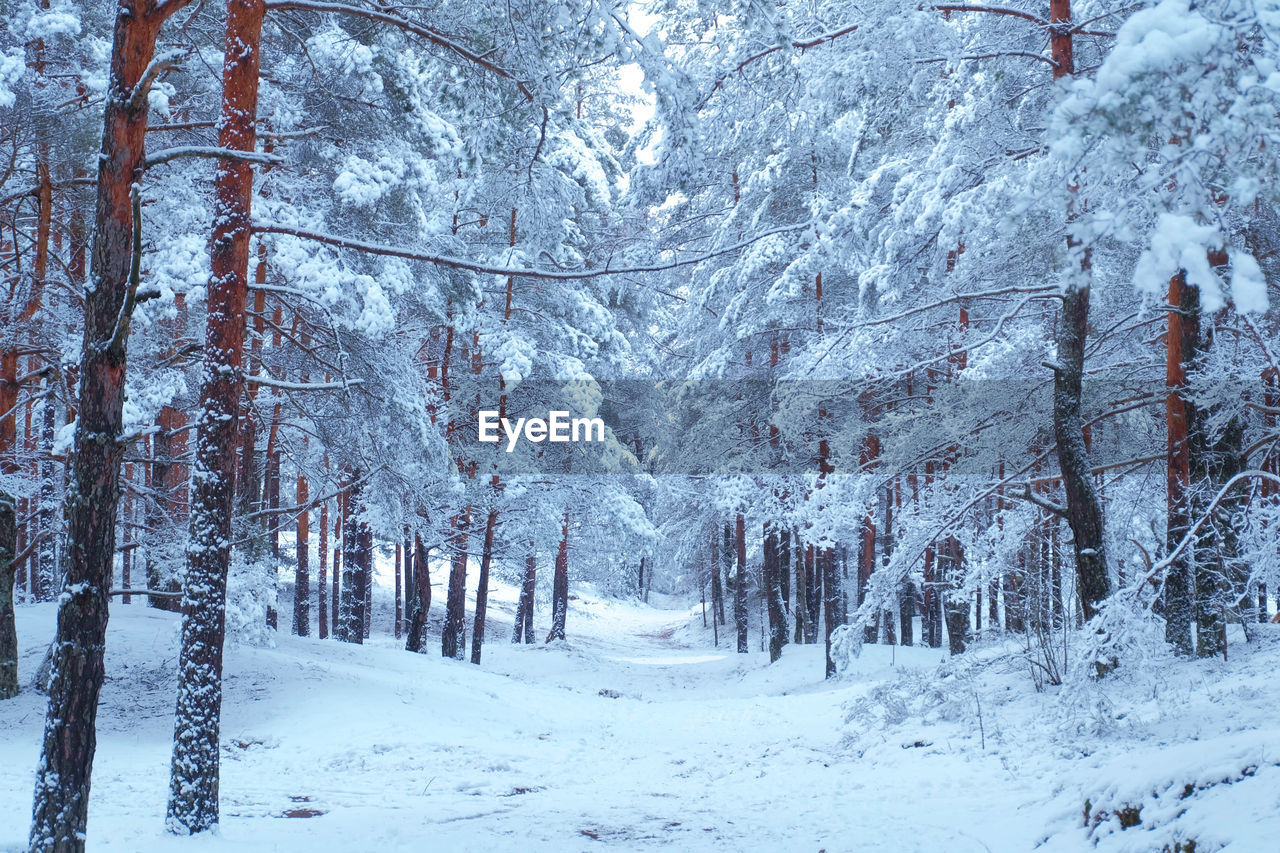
213, 152
432, 35
282, 385
518, 272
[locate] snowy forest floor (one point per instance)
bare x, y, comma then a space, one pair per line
639, 733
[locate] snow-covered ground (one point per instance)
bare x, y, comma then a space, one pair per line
639, 733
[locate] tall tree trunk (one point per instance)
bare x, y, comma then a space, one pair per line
421, 601
1084, 507
61, 804
804, 631
784, 567
8, 628
271, 486
302, 574
452, 642
322, 561
46, 574
524, 610
407, 578
357, 561
717, 588
397, 625
335, 598
955, 604
159, 509
740, 583
773, 591
482, 590
1180, 348
831, 594
194, 776
560, 585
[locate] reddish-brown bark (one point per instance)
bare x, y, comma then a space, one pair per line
62, 783
193, 791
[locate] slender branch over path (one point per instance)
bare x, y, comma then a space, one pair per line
486, 269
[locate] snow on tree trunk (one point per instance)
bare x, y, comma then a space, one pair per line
773, 591
397, 623
1084, 507
740, 583
826, 560
1180, 349
194, 774
158, 508
61, 806
322, 576
560, 585
302, 573
336, 596
452, 643
524, 609
8, 629
46, 572
801, 586
482, 590
357, 562
420, 601
955, 602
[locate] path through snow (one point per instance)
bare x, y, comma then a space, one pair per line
633, 735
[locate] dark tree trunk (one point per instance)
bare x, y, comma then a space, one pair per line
804, 630
322, 576
560, 585
366, 570
335, 597
421, 602
831, 594
813, 575
452, 643
955, 605
524, 611
740, 584
773, 570
717, 588
194, 773
1084, 508
406, 614
784, 567
482, 591
46, 574
8, 629
399, 614
272, 485
302, 573
159, 509
357, 563
61, 804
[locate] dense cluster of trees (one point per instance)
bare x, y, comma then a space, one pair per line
952, 315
